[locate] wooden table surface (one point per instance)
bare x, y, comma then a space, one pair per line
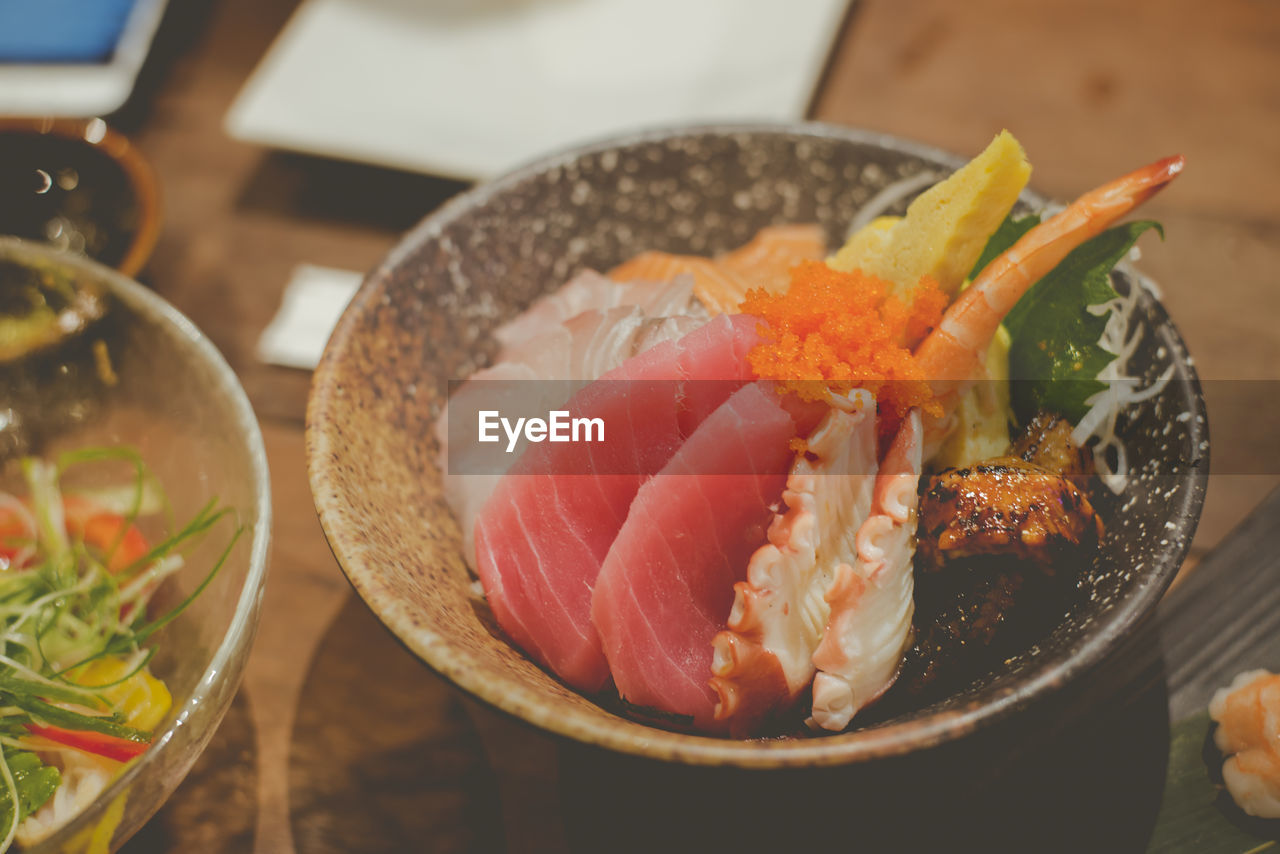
317, 754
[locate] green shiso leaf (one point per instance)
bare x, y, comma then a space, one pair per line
1054, 359
1002, 238
1197, 815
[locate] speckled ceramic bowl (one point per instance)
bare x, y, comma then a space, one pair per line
425, 315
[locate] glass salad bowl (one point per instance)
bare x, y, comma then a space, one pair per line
129, 369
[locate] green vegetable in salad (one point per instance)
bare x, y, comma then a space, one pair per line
74, 625
42, 304
34, 782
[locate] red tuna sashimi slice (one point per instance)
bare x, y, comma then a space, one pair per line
541, 374
667, 584
542, 537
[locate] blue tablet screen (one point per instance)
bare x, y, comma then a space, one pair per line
61, 31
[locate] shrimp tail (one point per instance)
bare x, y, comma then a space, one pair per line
951, 355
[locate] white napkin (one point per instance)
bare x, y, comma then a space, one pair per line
314, 299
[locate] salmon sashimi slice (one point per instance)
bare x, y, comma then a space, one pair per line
713, 285
543, 535
722, 284
666, 586
767, 260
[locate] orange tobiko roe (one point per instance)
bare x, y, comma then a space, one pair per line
837, 330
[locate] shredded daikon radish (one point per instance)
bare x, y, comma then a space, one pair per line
1121, 389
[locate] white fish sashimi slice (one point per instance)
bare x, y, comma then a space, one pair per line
871, 599
470, 476
763, 660
590, 344
590, 290
601, 340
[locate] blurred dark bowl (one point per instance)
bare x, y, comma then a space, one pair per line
80, 186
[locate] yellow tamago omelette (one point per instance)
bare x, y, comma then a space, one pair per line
946, 227
941, 236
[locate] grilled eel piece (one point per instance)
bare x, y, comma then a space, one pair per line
1046, 442
1030, 504
1000, 543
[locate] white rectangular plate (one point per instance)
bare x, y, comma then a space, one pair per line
472, 88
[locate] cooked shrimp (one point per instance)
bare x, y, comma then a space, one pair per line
1248, 716
952, 353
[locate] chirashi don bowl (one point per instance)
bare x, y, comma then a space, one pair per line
425, 316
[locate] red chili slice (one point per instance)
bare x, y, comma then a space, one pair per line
110, 746
13, 531
102, 530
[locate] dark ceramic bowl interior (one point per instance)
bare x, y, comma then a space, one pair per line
426, 314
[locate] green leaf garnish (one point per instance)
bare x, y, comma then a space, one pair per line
14, 686
1007, 234
64, 609
1055, 358
32, 779
47, 713
1197, 814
